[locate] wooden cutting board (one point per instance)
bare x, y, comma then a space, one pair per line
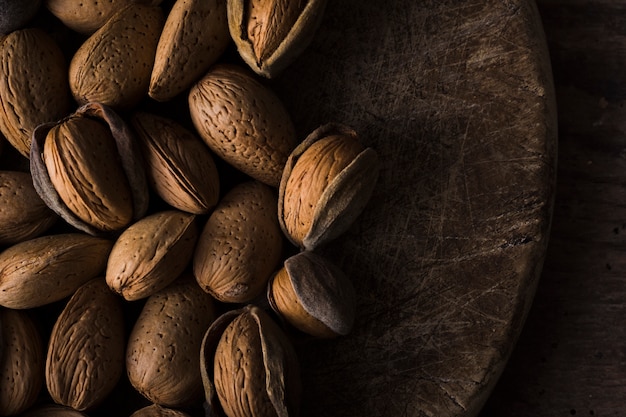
457, 98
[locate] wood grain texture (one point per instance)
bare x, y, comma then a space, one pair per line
570, 359
457, 99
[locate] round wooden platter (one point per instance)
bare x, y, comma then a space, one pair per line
457, 99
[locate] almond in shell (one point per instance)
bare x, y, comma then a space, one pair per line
151, 253
85, 356
243, 122
240, 245
49, 268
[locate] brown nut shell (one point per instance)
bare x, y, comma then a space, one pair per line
151, 253
49, 268
327, 182
240, 245
53, 410
243, 122
85, 356
85, 16
156, 410
22, 361
34, 85
249, 343
314, 295
162, 360
195, 35
270, 35
114, 64
94, 178
23, 214
179, 165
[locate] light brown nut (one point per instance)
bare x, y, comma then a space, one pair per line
248, 344
23, 214
151, 253
156, 410
85, 16
49, 268
87, 168
243, 122
85, 356
327, 182
114, 64
34, 85
270, 35
240, 245
179, 165
21, 362
52, 410
314, 295
195, 35
162, 360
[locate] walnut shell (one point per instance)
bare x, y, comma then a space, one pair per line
34, 85
53, 410
114, 64
270, 35
314, 295
327, 182
22, 361
243, 122
249, 344
195, 35
85, 356
23, 214
162, 360
156, 410
151, 253
49, 268
240, 245
87, 168
179, 165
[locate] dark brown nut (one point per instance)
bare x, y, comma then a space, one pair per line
240, 245
162, 359
270, 35
327, 182
52, 410
49, 268
23, 214
243, 122
156, 410
151, 253
87, 168
314, 295
34, 85
21, 362
86, 350
179, 165
248, 343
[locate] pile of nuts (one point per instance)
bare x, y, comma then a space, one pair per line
225, 275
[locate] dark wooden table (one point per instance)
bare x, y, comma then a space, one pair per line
571, 356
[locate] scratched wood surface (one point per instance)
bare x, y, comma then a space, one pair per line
456, 96
570, 359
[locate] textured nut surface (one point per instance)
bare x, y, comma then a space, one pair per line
327, 181
247, 343
162, 359
86, 349
314, 295
271, 34
117, 167
114, 64
194, 36
243, 122
151, 253
240, 245
49, 268
23, 214
21, 362
83, 164
179, 165
53, 410
85, 16
34, 85
156, 410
